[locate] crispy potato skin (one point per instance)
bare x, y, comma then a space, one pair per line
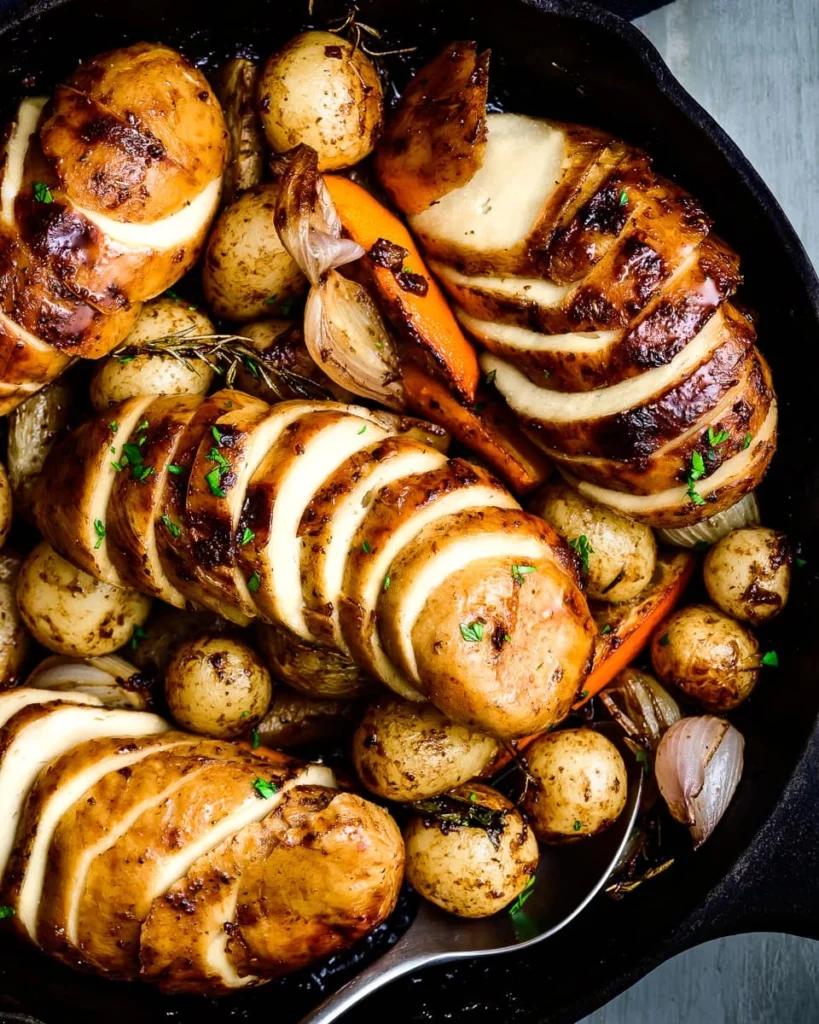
748, 573
320, 90
622, 553
580, 785
70, 612
247, 273
217, 686
405, 752
459, 869
712, 658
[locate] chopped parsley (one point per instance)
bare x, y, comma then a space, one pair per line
173, 528
584, 694
100, 528
527, 891
113, 426
696, 472
363, 429
747, 442
386, 585
583, 548
472, 632
42, 193
507, 638
771, 659
173, 295
252, 367
253, 583
245, 714
365, 547
137, 635
176, 470
6, 912
127, 359
800, 562
256, 739
117, 466
717, 437
644, 760
623, 198
247, 536
214, 480
264, 788
606, 629
132, 456
519, 571
473, 797
547, 374
578, 825
143, 426
217, 436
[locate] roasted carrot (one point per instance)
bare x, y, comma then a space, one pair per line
424, 316
491, 432
268, 754
632, 625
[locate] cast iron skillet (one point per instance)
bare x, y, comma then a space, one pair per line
760, 869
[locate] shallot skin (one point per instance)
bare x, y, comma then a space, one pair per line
698, 767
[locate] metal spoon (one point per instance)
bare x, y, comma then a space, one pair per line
568, 878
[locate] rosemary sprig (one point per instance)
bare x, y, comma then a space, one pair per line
356, 31
224, 354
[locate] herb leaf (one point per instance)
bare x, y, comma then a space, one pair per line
42, 193
99, 526
173, 528
264, 788
472, 632
254, 582
623, 198
583, 548
213, 480
527, 891
6, 912
451, 812
519, 571
247, 536
256, 740
771, 659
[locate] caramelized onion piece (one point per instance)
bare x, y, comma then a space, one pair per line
709, 531
643, 708
698, 768
110, 678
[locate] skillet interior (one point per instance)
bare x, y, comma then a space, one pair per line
580, 65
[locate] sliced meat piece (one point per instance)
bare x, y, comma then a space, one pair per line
134, 507
160, 848
61, 784
305, 455
226, 460
184, 940
333, 869
25, 360
36, 735
398, 514
94, 823
331, 519
730, 482
77, 481
176, 553
12, 701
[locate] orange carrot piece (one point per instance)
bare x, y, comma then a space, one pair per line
268, 754
426, 319
491, 434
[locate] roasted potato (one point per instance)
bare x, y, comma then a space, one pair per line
164, 633
405, 752
15, 642
579, 785
6, 512
748, 573
294, 720
247, 273
712, 658
34, 426
151, 374
313, 670
618, 555
236, 84
217, 685
70, 612
477, 865
320, 90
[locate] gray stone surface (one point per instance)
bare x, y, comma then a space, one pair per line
754, 64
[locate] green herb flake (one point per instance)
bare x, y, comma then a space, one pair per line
175, 470
173, 295
507, 638
113, 426
379, 345
42, 193
696, 472
245, 714
113, 450
213, 480
117, 466
253, 583
363, 429
127, 359
386, 584
606, 629
100, 528
473, 797
747, 442
717, 437
519, 571
578, 825
217, 436
547, 374
264, 788
137, 635
624, 198
252, 367
800, 562
665, 640
256, 739
771, 659
365, 547
6, 912
143, 426
644, 760
271, 300
583, 548
247, 536
527, 891
472, 632
173, 528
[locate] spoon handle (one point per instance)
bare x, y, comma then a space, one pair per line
401, 959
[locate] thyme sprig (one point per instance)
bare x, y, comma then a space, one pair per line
358, 33
224, 354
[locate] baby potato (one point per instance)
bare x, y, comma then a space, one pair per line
580, 785
476, 868
14, 639
247, 273
163, 634
321, 90
6, 512
748, 573
712, 658
309, 668
217, 686
404, 751
293, 719
618, 554
70, 612
150, 374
